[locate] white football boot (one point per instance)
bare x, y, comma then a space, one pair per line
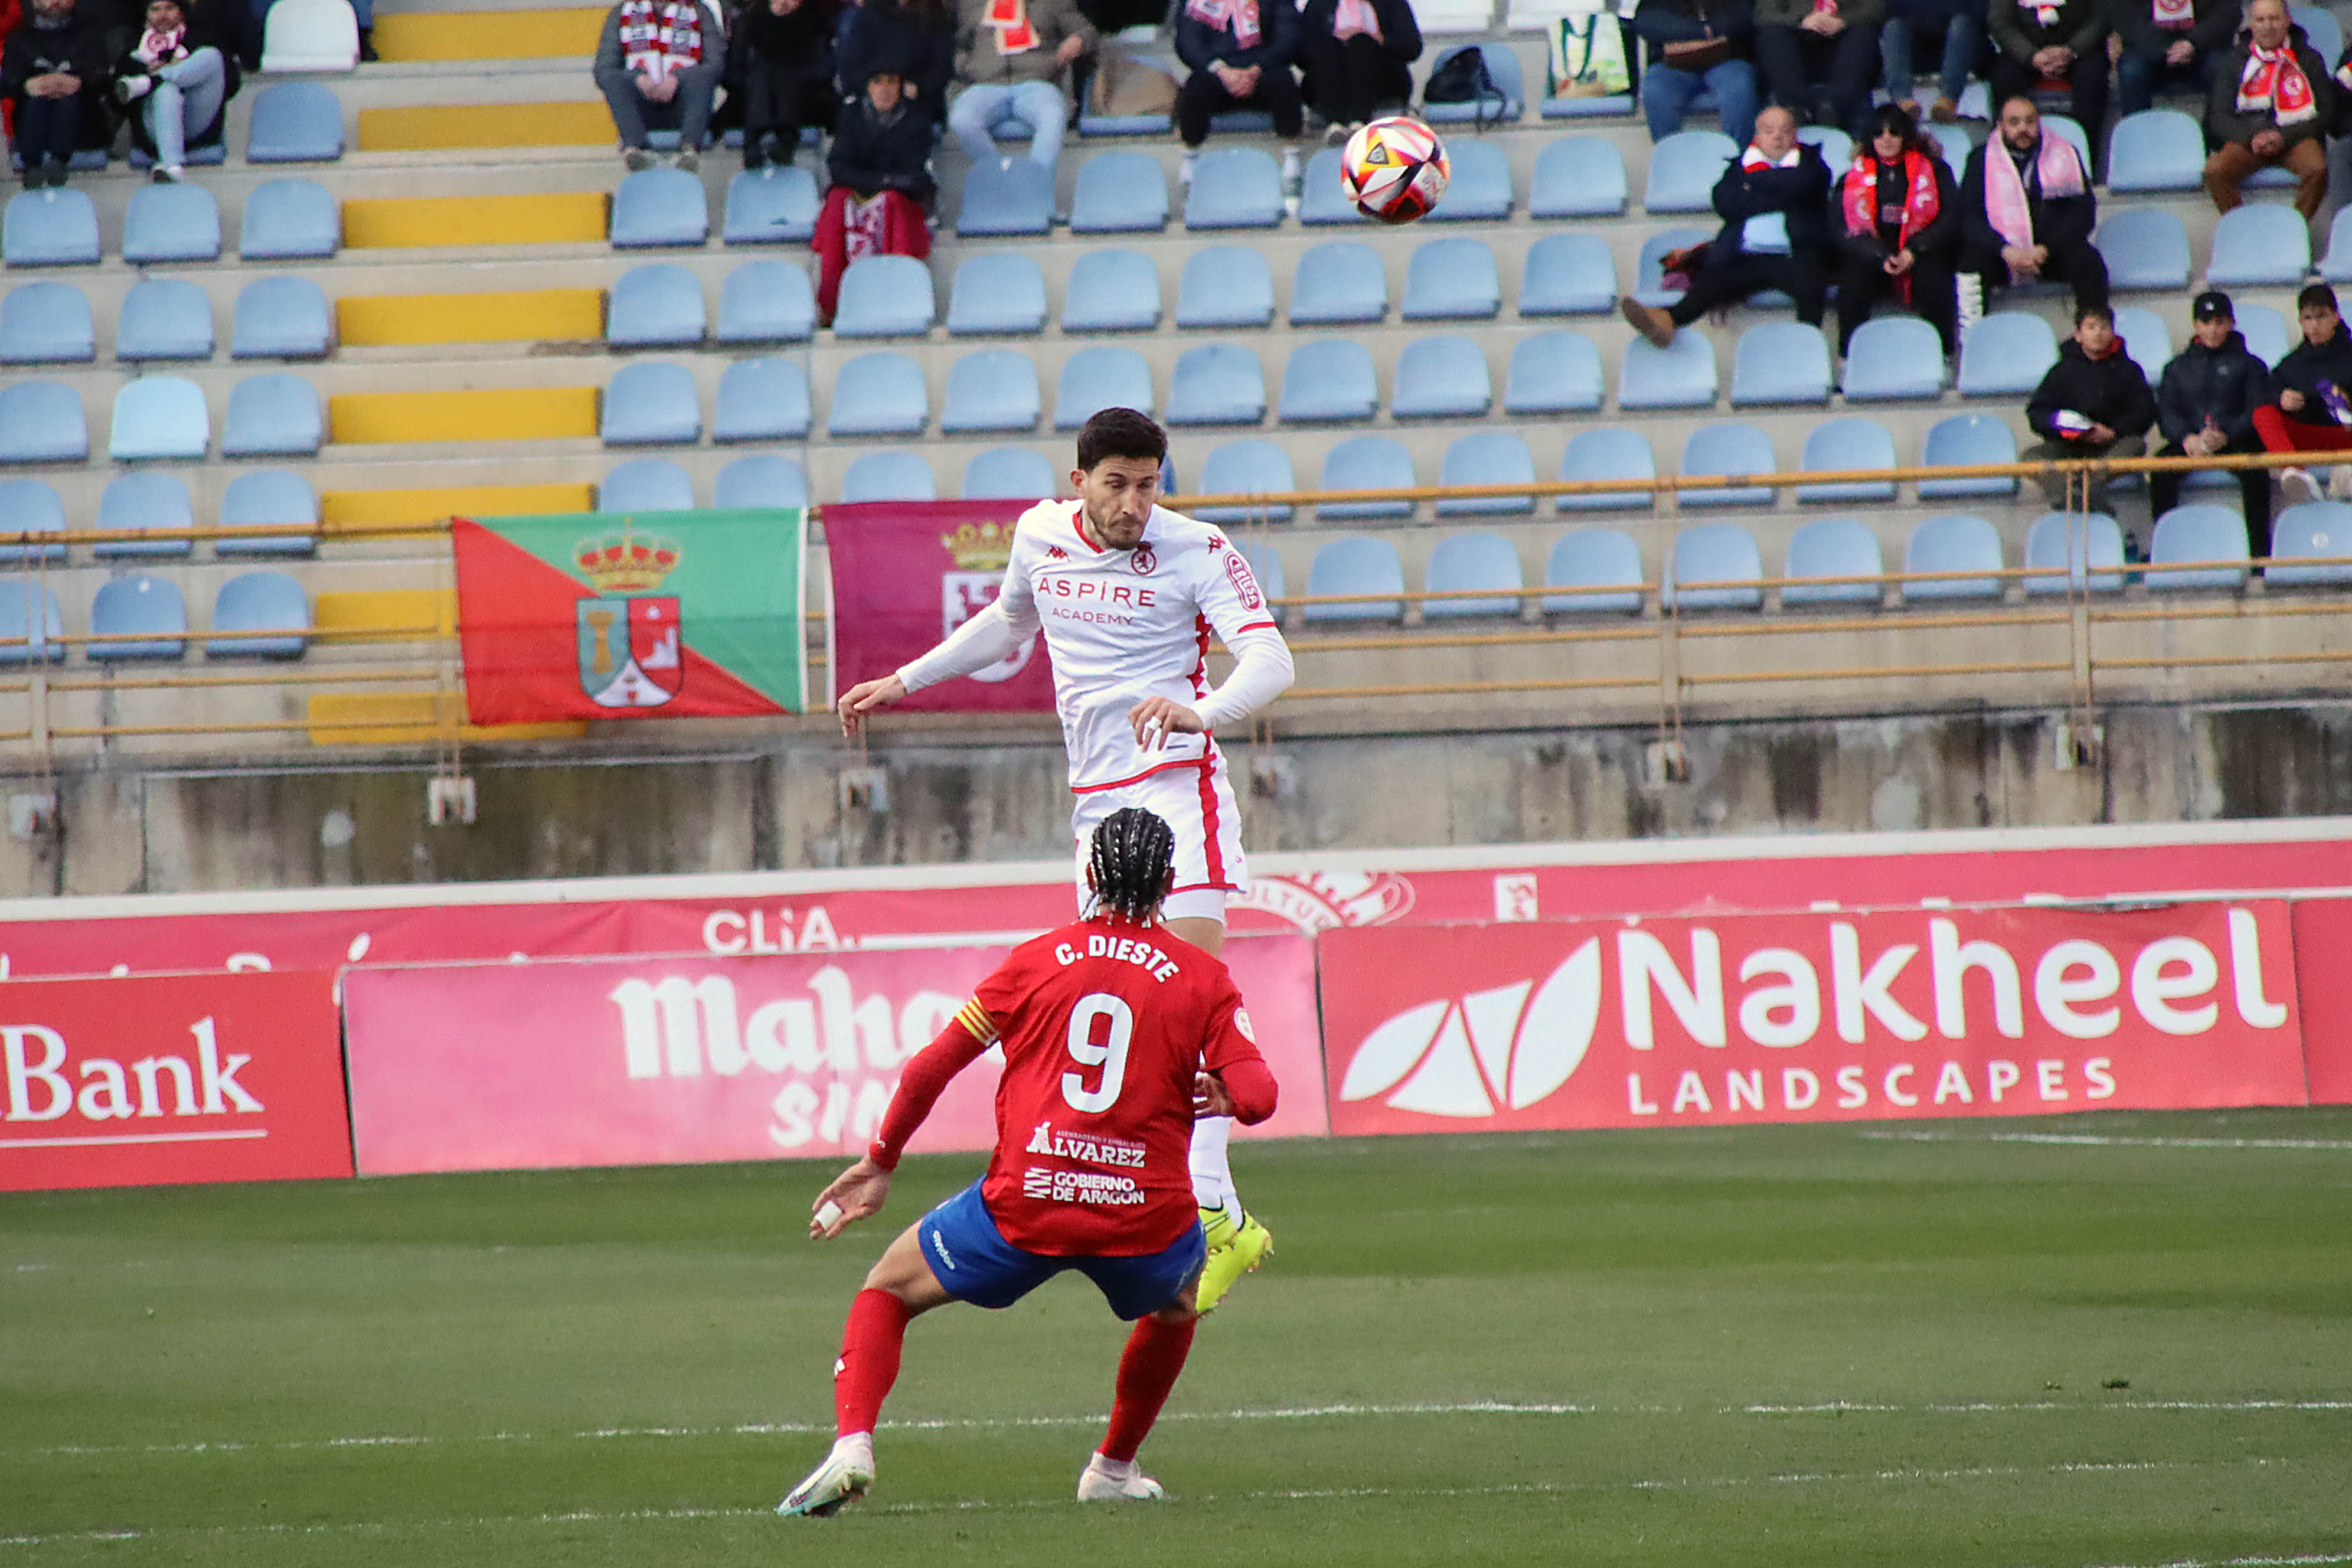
1115, 1480
846, 1475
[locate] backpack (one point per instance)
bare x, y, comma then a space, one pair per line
1461, 77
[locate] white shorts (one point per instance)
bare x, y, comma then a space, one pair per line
1196, 801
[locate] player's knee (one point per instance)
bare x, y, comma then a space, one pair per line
1175, 1315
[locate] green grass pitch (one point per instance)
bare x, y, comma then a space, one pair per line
1933, 1346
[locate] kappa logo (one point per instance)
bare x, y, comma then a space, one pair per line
1488, 1050
1055, 552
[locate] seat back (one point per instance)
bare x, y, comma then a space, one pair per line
272, 496
1233, 187
1478, 186
1833, 547
766, 479
1123, 193
2146, 339
311, 36
159, 416
656, 305
1608, 452
885, 297
1217, 383
1650, 284
1452, 278
993, 389
1553, 372
645, 484
1111, 291
1837, 445
288, 218
1225, 286
1240, 468
45, 323
1013, 196
1680, 375
1955, 543
2156, 150
163, 319
1487, 457
1340, 282
2074, 545
1893, 358
654, 207
1603, 564
1323, 199
2006, 355
1366, 463
31, 622
764, 399
55, 228
1578, 176
30, 506
42, 422
2197, 533
147, 612
1568, 275
1735, 450
270, 603
650, 402
295, 122
1968, 440
1094, 379
879, 394
1781, 363
1720, 553
774, 205
282, 316
1683, 169
893, 475
2144, 247
169, 223
144, 501
278, 413
1011, 473
1328, 381
996, 292
1441, 376
1355, 564
2259, 245
1486, 563
766, 300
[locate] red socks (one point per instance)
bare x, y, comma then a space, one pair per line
870, 1344
1146, 1372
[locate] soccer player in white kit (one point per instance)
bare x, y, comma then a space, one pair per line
1127, 595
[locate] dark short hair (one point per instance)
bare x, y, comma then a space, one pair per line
2316, 294
2094, 314
1120, 432
1892, 117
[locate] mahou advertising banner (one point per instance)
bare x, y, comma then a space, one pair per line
1932, 1013
905, 575
162, 1078
647, 1061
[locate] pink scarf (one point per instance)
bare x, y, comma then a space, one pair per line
1241, 16
1354, 17
2176, 16
161, 48
2273, 80
2061, 171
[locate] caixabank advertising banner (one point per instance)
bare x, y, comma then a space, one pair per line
1828, 1017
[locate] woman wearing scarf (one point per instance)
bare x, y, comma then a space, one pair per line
661, 60
2272, 102
881, 184
1900, 211
2026, 215
2052, 46
1357, 55
174, 81
1241, 53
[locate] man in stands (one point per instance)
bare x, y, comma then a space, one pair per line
1013, 59
2272, 103
2052, 46
2026, 216
2310, 404
2205, 406
661, 60
1776, 232
176, 80
52, 69
1242, 53
1818, 57
882, 188
2168, 43
2094, 403
1699, 46
780, 61
1954, 29
1116, 1032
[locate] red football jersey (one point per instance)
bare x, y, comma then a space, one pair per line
1104, 1025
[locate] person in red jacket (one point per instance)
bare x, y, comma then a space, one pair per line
1117, 1033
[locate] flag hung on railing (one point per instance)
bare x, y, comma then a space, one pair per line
660, 616
906, 573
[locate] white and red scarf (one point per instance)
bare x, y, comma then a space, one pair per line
1238, 15
1356, 17
1921, 202
161, 48
1008, 20
658, 36
865, 223
2176, 16
2057, 165
2045, 12
2274, 80
1753, 158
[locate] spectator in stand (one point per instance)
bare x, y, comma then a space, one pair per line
917, 37
882, 187
1775, 204
660, 60
1013, 57
175, 82
1358, 56
1901, 209
779, 59
2310, 402
1241, 52
1818, 57
2026, 216
2052, 46
2270, 104
2205, 406
53, 69
2166, 43
2094, 403
1699, 46
1954, 29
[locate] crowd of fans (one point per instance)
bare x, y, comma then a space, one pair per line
75, 73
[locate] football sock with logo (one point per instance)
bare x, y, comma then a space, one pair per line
1146, 1371
870, 1346
1213, 1171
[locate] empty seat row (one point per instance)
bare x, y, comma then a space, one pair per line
149, 501
171, 223
267, 613
290, 122
284, 315
162, 416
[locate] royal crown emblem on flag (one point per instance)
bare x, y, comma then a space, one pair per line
628, 636
979, 551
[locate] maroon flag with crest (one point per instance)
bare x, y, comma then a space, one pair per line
905, 575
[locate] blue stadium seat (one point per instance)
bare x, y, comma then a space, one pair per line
1225, 286
1123, 193
1722, 552
1587, 106
286, 220
766, 300
2199, 533
1781, 363
2006, 355
1008, 473
2335, 267
45, 323
885, 297
1012, 197
652, 403
159, 416
1266, 567
1609, 452
1442, 376
1953, 543
1487, 457
1322, 200
2145, 247
991, 389
1217, 383
1484, 564
2310, 543
1111, 291
766, 479
657, 207
1833, 547
2085, 549
1578, 176
1341, 282
295, 122
282, 316
2146, 339
1968, 440
770, 207
309, 36
163, 319
2156, 150
147, 612
32, 623
894, 475
1680, 375
144, 501
1505, 103
1355, 564
1836, 148
1479, 188
879, 395
269, 607
1553, 372
658, 305
1683, 169
30, 506
2259, 245
645, 484
275, 415
55, 228
996, 293
1603, 565
171, 223
1244, 467
1568, 275
2268, 337
1649, 280
762, 399
41, 422
1734, 450
1452, 278
1366, 463
1954, 144
1233, 187
1893, 358
1094, 379
1328, 381
1843, 445
2320, 29
273, 496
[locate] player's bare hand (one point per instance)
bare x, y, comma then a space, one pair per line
1210, 1097
866, 697
1156, 717
858, 1192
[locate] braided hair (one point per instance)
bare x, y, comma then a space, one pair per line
1130, 859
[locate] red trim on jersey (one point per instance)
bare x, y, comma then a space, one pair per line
1212, 850
1200, 762
1200, 656
1201, 887
1079, 526
1253, 626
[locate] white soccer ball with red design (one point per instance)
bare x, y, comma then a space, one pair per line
1394, 169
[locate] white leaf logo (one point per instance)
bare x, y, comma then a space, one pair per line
1496, 1046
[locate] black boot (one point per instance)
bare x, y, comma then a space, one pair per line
755, 150
56, 169
367, 46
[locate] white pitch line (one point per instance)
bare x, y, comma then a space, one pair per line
2107, 1140
2303, 1562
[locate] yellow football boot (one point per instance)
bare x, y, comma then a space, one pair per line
1234, 1249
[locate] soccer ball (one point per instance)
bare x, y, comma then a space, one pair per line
1395, 170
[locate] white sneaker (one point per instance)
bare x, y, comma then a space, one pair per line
2298, 486
846, 1475
2339, 482
1117, 1480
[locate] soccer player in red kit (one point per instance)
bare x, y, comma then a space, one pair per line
1117, 1034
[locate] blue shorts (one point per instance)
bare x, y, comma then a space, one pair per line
973, 1262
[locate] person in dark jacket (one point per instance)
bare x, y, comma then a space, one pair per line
1953, 30
881, 184
2094, 403
1818, 57
2309, 405
2027, 212
916, 36
1356, 54
2166, 43
1776, 229
2051, 46
52, 68
1241, 52
2205, 406
176, 79
1900, 228
658, 62
1699, 46
779, 59
2272, 102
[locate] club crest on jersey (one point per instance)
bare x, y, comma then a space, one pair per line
980, 551
1144, 562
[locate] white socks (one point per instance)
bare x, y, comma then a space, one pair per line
1212, 1172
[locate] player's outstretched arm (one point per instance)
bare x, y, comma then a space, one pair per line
858, 1192
866, 697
